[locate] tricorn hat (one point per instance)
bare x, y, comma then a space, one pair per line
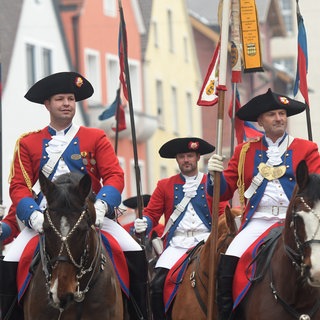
182, 145
267, 102
133, 201
61, 82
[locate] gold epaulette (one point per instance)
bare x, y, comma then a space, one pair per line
16, 152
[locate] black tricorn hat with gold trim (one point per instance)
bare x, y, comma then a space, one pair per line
267, 102
183, 145
61, 82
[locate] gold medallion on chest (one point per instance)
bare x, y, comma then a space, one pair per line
271, 173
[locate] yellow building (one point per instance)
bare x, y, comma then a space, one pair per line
172, 81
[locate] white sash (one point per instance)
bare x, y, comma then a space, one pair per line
54, 158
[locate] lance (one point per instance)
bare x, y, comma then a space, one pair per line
2, 208
212, 308
133, 133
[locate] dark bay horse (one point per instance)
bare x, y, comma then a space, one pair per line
75, 278
290, 287
191, 299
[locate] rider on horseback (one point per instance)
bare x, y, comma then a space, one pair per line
182, 200
264, 171
63, 147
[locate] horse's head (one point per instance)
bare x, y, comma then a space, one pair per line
69, 221
303, 218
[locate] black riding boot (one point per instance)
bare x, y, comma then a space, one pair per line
138, 272
8, 291
156, 287
225, 273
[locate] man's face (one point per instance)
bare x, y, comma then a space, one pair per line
274, 123
188, 163
62, 107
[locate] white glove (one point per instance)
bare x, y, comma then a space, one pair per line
36, 221
215, 163
101, 210
140, 225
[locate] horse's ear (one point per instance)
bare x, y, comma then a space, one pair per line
45, 183
302, 174
85, 186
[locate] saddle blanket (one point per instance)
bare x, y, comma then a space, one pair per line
175, 276
112, 247
246, 269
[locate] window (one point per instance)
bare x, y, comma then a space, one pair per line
31, 67
170, 31
174, 109
160, 109
189, 113
112, 77
155, 34
47, 62
287, 13
92, 64
109, 8
38, 61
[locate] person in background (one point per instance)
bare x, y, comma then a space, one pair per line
265, 171
63, 147
182, 199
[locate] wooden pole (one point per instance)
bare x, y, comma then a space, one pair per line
212, 307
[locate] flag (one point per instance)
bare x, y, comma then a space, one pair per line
111, 110
122, 42
121, 119
302, 61
208, 93
251, 132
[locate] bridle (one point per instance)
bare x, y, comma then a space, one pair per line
297, 257
83, 266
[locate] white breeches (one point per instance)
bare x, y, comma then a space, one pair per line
255, 228
126, 242
170, 256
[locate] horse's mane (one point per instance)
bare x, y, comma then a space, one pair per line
66, 192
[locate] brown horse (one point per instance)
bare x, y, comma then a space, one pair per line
290, 287
75, 278
192, 296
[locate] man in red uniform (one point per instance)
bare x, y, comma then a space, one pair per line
182, 199
63, 147
267, 169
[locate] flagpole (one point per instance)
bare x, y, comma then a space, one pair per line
212, 307
133, 130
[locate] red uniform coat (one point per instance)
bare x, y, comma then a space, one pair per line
298, 150
90, 151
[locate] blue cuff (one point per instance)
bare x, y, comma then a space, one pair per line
110, 195
25, 208
149, 227
6, 231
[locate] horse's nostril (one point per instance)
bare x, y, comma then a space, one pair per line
66, 300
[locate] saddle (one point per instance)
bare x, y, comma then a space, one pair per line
176, 275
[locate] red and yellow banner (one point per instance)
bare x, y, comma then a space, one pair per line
250, 36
